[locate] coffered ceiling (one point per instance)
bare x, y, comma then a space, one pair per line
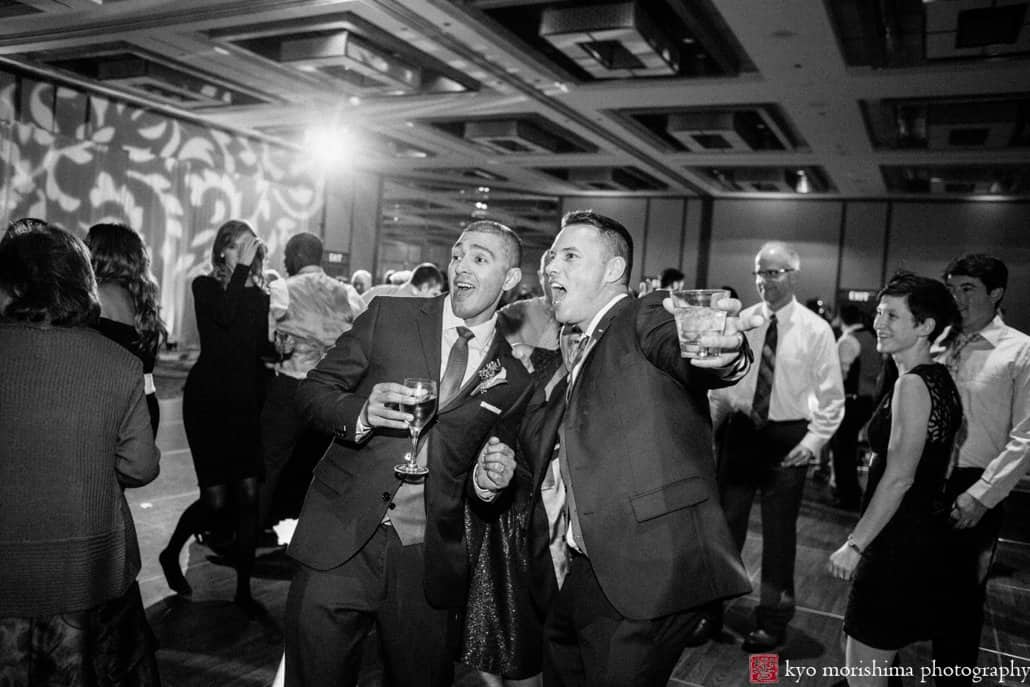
510, 102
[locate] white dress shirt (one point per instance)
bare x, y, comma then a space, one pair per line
991, 369
807, 383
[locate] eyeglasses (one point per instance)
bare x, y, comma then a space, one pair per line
773, 274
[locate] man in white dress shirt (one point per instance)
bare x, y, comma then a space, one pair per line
770, 427
990, 363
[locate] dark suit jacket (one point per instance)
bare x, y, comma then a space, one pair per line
354, 483
537, 437
639, 444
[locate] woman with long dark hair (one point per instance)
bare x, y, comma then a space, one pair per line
74, 434
221, 402
129, 308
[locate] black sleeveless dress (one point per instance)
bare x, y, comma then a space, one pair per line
128, 338
895, 583
221, 401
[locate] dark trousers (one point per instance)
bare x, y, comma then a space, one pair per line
749, 463
290, 450
845, 449
329, 614
957, 627
589, 644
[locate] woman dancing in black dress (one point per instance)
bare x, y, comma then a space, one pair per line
221, 401
893, 553
129, 309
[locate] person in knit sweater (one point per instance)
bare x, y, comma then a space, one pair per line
74, 433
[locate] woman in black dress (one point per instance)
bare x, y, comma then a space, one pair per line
129, 309
221, 400
893, 553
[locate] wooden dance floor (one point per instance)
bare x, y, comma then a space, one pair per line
206, 640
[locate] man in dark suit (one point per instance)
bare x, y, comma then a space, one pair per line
648, 539
376, 550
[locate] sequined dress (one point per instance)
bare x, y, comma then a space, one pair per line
502, 632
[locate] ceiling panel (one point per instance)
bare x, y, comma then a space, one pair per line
720, 98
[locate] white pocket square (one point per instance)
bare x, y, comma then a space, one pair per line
492, 408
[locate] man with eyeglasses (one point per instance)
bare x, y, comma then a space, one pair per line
768, 429
990, 362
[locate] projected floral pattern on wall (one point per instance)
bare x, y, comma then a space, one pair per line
75, 159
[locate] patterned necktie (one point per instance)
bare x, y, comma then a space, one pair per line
457, 360
766, 372
569, 341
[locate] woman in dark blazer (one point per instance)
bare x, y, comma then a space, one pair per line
74, 433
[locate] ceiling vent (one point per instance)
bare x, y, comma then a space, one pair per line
611, 41
510, 136
762, 180
975, 28
969, 125
352, 53
608, 179
709, 132
120, 64
1002, 179
12, 8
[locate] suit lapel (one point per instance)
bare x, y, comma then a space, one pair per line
492, 353
554, 414
428, 323
595, 339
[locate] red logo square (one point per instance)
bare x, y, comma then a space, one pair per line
764, 669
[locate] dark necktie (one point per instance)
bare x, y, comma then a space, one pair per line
408, 510
457, 361
766, 372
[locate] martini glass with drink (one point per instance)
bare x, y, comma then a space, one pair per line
422, 408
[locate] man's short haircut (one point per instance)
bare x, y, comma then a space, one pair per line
670, 275
793, 259
512, 242
306, 248
426, 273
925, 298
615, 236
987, 268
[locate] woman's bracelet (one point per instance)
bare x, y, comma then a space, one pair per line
851, 544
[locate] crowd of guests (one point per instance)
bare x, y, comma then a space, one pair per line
563, 535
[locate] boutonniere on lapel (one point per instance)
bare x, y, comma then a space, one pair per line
490, 376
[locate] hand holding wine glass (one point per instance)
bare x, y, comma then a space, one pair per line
420, 406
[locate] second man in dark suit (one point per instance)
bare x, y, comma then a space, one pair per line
648, 538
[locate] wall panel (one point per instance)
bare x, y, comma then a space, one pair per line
865, 227
662, 242
925, 236
739, 227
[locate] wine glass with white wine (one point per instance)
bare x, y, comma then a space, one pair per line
422, 409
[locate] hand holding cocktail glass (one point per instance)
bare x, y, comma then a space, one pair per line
407, 406
709, 330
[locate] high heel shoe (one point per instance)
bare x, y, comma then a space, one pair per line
173, 574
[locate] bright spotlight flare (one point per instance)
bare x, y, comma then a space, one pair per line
329, 145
